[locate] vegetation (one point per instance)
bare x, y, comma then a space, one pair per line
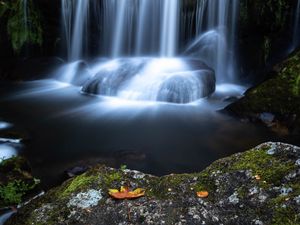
17, 182
23, 26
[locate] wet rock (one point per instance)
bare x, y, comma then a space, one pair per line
174, 80
246, 188
181, 88
77, 170
267, 118
112, 76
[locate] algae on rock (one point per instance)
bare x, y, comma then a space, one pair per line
257, 186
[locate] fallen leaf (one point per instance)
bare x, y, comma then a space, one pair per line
124, 193
202, 194
257, 177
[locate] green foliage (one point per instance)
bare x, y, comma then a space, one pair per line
3, 8
13, 192
21, 32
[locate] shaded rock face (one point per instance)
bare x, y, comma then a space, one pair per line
260, 186
278, 96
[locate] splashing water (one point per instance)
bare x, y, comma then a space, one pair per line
144, 28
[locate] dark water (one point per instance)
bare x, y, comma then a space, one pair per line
67, 128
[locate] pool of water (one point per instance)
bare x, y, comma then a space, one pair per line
66, 128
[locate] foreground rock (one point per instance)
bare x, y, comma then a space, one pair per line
260, 186
275, 102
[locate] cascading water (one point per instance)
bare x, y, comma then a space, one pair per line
216, 35
75, 18
135, 28
169, 31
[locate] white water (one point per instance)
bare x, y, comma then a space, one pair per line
169, 32
118, 35
6, 152
148, 28
75, 19
152, 28
216, 22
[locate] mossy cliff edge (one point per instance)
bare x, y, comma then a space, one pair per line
259, 186
279, 95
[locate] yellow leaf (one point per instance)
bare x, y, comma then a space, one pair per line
113, 190
124, 193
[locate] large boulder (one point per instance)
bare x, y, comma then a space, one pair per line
175, 80
259, 186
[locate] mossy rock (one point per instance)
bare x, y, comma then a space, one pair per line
279, 95
259, 186
16, 182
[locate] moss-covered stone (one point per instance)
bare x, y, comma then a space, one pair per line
279, 95
16, 181
257, 186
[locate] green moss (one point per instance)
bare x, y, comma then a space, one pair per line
271, 169
242, 192
205, 183
285, 216
76, 184
110, 178
13, 192
17, 182
279, 95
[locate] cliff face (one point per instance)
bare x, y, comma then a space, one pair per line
259, 186
265, 34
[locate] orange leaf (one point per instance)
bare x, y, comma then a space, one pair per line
124, 193
202, 194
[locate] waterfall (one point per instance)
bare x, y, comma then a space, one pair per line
296, 32
146, 19
75, 19
169, 32
153, 28
119, 31
148, 28
216, 36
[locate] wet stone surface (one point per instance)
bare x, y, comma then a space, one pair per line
254, 187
